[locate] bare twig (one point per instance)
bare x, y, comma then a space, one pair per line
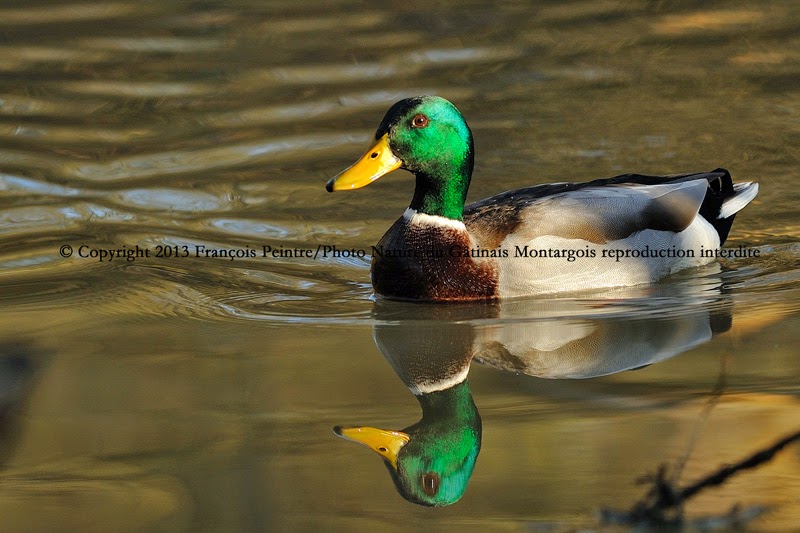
663, 503
720, 476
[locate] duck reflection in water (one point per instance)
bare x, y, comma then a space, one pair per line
431, 347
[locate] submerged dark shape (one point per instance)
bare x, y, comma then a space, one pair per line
20, 363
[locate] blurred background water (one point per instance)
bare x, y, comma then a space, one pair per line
198, 393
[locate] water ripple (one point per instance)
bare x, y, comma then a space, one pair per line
250, 228
139, 89
327, 108
24, 105
404, 64
456, 56
72, 12
18, 185
20, 57
340, 21
23, 220
172, 200
151, 44
704, 21
288, 233
66, 135
175, 162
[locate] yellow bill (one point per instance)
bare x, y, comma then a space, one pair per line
384, 442
378, 161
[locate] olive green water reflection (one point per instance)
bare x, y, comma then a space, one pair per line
185, 394
431, 348
211, 428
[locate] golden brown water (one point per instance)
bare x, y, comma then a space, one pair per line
198, 393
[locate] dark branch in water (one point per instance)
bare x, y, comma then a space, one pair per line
663, 503
720, 476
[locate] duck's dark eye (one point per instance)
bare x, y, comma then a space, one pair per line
430, 483
419, 121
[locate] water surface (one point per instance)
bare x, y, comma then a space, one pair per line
193, 392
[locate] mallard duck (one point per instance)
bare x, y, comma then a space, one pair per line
621, 231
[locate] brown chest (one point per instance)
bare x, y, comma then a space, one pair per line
430, 262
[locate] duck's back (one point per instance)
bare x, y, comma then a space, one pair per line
620, 231
495, 217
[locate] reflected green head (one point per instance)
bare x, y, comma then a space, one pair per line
430, 462
435, 471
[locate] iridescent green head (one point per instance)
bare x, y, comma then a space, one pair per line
429, 137
430, 462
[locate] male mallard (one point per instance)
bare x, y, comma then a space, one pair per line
620, 231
